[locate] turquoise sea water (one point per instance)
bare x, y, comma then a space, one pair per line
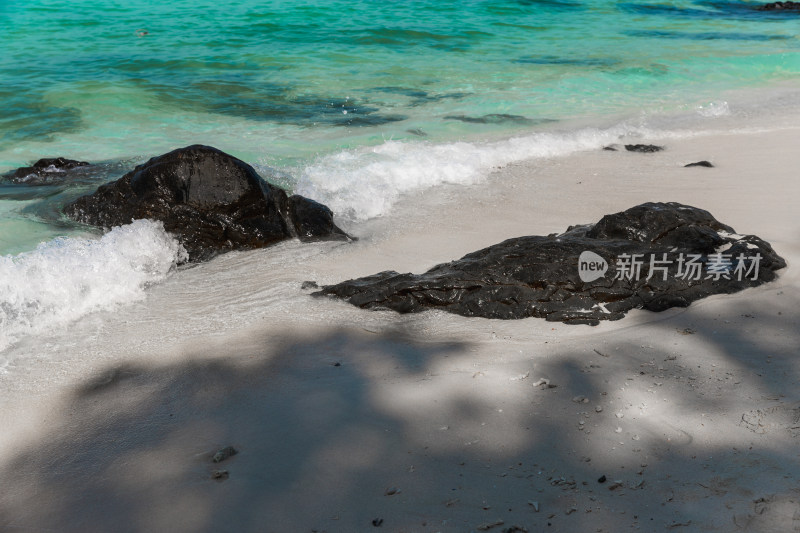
288, 80
356, 101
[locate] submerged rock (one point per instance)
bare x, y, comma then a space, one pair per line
211, 201
653, 256
780, 6
44, 171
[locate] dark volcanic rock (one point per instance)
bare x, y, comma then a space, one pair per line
653, 256
780, 6
44, 171
645, 148
706, 164
211, 201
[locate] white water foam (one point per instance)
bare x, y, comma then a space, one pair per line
714, 109
67, 278
365, 182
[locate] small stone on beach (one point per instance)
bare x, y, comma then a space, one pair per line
220, 475
615, 485
224, 453
643, 148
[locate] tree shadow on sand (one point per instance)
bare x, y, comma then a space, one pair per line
352, 431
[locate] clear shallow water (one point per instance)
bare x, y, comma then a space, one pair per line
283, 81
358, 102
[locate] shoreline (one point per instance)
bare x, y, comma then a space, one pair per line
113, 424
365, 182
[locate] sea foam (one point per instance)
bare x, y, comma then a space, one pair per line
365, 182
714, 109
67, 278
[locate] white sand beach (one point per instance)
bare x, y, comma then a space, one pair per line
353, 420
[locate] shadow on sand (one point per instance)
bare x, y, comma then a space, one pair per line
339, 431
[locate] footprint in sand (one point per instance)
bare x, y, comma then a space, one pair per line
772, 513
772, 419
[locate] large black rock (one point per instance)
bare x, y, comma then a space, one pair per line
673, 245
211, 201
44, 171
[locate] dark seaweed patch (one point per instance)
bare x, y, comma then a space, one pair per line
705, 10
666, 10
392, 36
653, 70
178, 83
418, 96
576, 62
521, 26
447, 96
705, 36
396, 37
23, 193
25, 115
553, 5
367, 120
498, 118
413, 93
267, 102
539, 8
